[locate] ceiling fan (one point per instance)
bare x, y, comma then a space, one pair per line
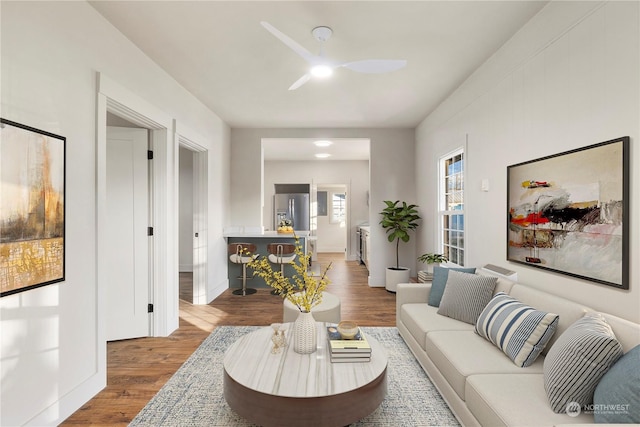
322, 66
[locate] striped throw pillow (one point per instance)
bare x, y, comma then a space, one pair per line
440, 277
466, 295
578, 360
520, 331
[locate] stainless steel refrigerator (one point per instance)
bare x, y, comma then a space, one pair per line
294, 207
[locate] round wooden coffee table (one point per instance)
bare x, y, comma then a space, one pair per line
291, 389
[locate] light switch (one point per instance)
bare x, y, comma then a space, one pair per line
485, 185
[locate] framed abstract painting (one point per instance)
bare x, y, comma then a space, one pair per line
32, 207
569, 213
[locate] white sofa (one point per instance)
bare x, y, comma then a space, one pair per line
481, 385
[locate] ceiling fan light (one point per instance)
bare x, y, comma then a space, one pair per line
321, 71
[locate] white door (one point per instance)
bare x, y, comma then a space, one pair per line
127, 240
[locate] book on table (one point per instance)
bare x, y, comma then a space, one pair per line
348, 356
350, 359
424, 277
357, 349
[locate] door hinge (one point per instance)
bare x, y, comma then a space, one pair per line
149, 308
149, 231
149, 155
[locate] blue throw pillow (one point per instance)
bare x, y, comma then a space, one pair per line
440, 276
617, 396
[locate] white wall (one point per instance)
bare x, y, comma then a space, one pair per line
354, 173
391, 174
185, 228
52, 360
568, 79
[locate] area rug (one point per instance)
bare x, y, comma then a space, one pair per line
194, 395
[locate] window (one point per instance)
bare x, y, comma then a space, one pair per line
338, 207
451, 211
322, 203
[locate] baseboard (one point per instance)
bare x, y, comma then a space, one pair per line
216, 290
68, 404
376, 282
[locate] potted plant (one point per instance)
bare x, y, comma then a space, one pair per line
303, 290
431, 258
398, 219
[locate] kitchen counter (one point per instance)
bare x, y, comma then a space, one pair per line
265, 234
261, 239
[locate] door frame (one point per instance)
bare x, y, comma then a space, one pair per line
190, 140
111, 97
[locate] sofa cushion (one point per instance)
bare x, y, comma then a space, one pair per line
578, 360
520, 331
421, 318
514, 400
458, 354
627, 333
619, 390
569, 311
439, 281
466, 295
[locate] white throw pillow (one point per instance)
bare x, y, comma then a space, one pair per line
578, 360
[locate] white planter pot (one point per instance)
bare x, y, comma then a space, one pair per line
395, 276
430, 267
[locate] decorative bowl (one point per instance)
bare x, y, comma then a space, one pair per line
347, 329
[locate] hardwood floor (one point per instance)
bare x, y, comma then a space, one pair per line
138, 368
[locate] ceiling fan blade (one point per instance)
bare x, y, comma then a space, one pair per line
302, 80
375, 66
293, 45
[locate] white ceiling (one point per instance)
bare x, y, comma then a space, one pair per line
219, 52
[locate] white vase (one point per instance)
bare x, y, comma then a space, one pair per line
305, 334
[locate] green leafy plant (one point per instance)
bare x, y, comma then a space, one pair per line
398, 219
302, 289
430, 258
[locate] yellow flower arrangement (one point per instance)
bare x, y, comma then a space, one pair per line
302, 289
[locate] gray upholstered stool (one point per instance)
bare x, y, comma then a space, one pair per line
242, 253
281, 253
327, 311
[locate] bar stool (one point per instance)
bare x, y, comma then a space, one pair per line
281, 253
242, 253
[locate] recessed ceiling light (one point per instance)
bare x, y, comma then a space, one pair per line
322, 143
323, 155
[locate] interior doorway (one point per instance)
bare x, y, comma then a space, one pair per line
185, 223
332, 218
329, 161
192, 221
162, 303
